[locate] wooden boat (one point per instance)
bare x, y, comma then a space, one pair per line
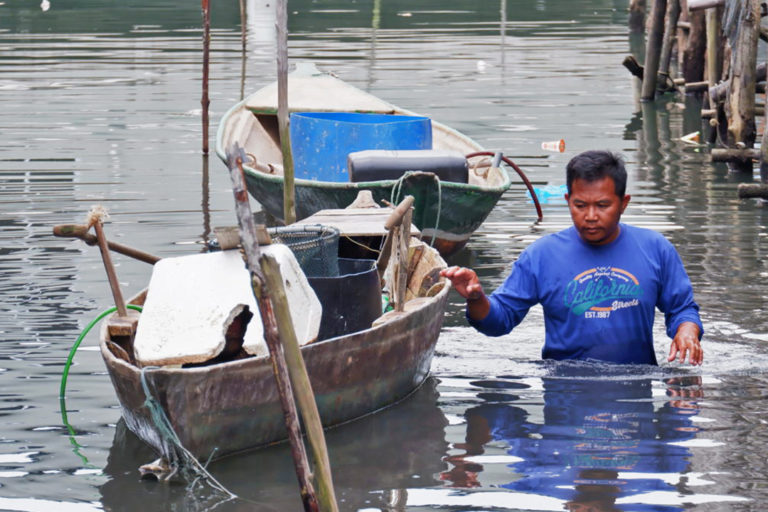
228, 407
446, 210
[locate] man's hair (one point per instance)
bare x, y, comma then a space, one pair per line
595, 165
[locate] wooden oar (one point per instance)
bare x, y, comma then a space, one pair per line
81, 231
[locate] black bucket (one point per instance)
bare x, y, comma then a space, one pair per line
351, 301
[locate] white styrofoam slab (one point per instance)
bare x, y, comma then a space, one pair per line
190, 297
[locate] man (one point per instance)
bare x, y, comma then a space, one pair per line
598, 281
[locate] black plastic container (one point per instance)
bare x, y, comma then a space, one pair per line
351, 301
374, 165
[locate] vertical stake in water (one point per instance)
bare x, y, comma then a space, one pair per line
653, 50
289, 194
287, 361
204, 101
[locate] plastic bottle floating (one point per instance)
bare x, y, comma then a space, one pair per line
557, 146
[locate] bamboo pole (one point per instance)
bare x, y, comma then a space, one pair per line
300, 380
268, 288
243, 45
714, 45
204, 101
289, 193
653, 50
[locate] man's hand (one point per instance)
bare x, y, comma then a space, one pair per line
467, 284
686, 344
465, 281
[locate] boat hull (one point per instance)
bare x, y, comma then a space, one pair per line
227, 408
448, 210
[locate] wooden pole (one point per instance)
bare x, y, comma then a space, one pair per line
204, 101
289, 193
740, 103
714, 46
653, 50
300, 380
695, 49
764, 147
262, 292
81, 231
637, 16
268, 288
243, 45
110, 268
670, 35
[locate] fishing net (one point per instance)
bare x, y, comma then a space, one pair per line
315, 246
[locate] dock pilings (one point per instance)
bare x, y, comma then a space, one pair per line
710, 48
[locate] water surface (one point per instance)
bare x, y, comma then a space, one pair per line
101, 105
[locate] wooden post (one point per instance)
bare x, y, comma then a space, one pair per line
740, 104
764, 147
243, 45
400, 248
300, 380
714, 46
695, 48
289, 193
653, 50
286, 356
204, 101
637, 16
670, 35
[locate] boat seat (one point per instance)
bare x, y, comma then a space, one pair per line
381, 164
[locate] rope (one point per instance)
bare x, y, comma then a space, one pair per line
182, 458
395, 196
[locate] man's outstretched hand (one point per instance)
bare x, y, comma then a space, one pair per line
686, 344
467, 284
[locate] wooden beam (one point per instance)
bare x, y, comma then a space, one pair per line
697, 5
748, 190
734, 154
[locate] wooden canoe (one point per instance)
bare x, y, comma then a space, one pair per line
233, 406
448, 211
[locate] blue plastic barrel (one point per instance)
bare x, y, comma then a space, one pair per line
321, 141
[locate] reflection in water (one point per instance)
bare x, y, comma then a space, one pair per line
598, 445
373, 460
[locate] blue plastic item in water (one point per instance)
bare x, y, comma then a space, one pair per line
321, 141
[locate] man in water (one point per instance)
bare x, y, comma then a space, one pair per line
598, 281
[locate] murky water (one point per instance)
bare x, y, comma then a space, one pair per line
101, 105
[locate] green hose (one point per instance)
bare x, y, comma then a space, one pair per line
80, 338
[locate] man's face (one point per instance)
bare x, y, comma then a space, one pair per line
596, 209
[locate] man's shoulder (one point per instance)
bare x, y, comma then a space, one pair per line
644, 234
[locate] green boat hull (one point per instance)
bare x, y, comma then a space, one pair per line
449, 212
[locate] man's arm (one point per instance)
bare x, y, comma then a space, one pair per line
686, 343
467, 284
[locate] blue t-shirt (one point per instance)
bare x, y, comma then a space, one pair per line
599, 300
